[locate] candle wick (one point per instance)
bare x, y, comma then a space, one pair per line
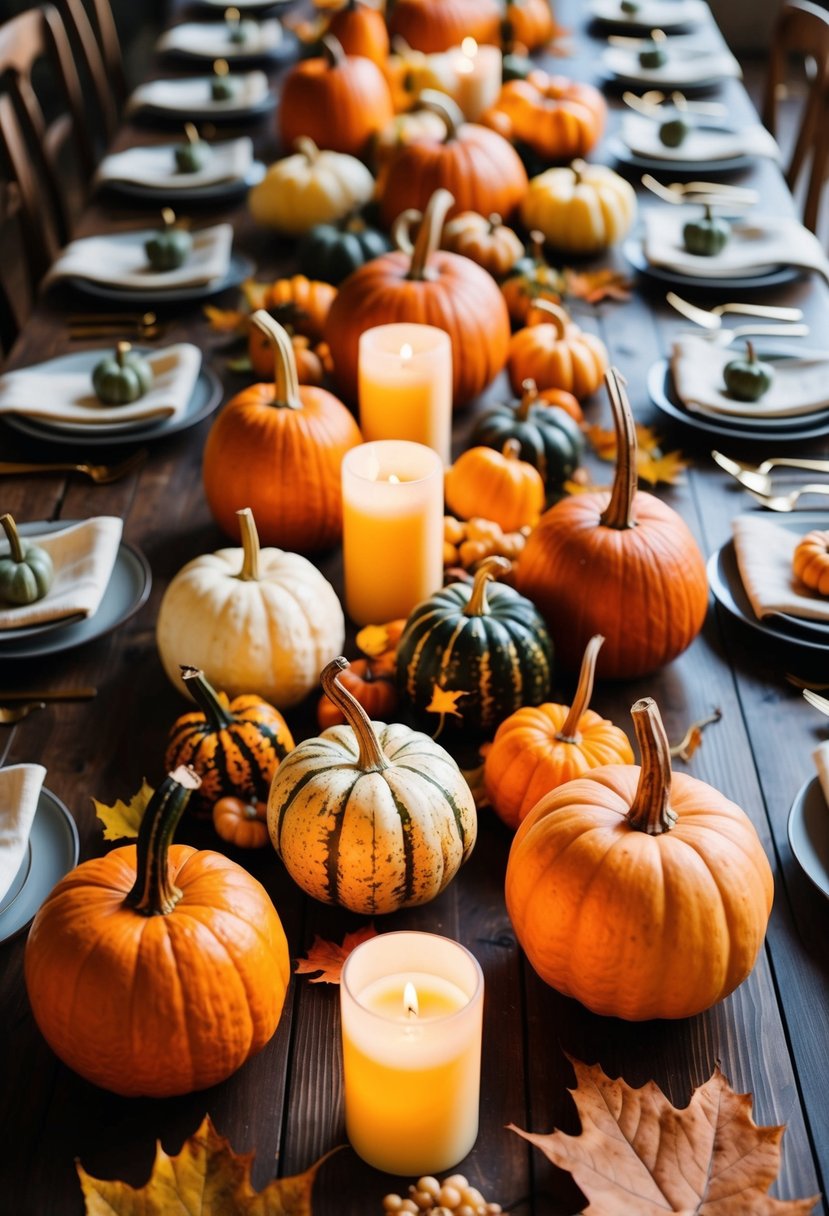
410, 1000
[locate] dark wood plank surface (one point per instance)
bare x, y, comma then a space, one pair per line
286, 1104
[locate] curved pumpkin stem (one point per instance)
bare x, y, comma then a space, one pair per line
554, 314
218, 716
286, 380
651, 810
494, 222
307, 148
489, 569
428, 236
511, 449
619, 511
569, 732
445, 108
250, 546
13, 536
529, 395
153, 892
371, 758
537, 248
578, 167
332, 50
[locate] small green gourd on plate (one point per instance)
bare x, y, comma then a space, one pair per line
194, 154
708, 235
653, 54
122, 377
747, 378
26, 572
674, 131
222, 87
238, 31
171, 246
630, 7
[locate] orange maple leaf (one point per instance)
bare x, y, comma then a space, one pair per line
667, 468
328, 957
597, 285
226, 320
445, 701
692, 739
638, 1153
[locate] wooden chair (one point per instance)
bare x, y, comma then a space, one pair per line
803, 29
98, 54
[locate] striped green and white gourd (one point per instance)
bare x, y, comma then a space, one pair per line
487, 642
370, 816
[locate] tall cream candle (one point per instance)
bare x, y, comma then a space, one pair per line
479, 70
405, 385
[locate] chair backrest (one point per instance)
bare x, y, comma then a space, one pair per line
803, 29
106, 82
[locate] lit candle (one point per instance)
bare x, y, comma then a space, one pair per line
392, 529
479, 77
405, 385
411, 1006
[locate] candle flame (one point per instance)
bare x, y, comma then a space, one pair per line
394, 480
469, 47
406, 351
410, 1000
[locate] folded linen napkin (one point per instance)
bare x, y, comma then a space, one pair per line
800, 386
689, 62
83, 555
20, 787
190, 96
58, 393
655, 14
755, 247
155, 166
119, 260
821, 758
764, 558
212, 39
703, 143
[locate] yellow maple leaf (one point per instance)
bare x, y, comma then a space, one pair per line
667, 468
445, 701
603, 441
373, 640
226, 320
328, 958
123, 818
582, 487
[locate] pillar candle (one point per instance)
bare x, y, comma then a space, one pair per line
392, 528
405, 374
479, 77
412, 1006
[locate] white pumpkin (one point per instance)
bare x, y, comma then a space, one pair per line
261, 621
311, 187
580, 209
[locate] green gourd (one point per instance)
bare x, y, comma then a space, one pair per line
707, 236
630, 6
222, 86
653, 54
194, 154
331, 252
170, 247
26, 573
674, 131
123, 377
747, 378
550, 439
238, 31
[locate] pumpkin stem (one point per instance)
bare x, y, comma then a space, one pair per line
511, 449
286, 380
153, 892
569, 732
553, 315
751, 353
250, 546
168, 217
489, 569
494, 223
218, 715
537, 247
529, 395
122, 349
428, 236
13, 537
578, 167
619, 511
307, 148
651, 809
445, 108
371, 758
191, 133
332, 50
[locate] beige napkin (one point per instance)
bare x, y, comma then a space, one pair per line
689, 62
800, 386
155, 166
20, 787
764, 557
119, 260
191, 94
821, 758
641, 135
83, 556
755, 246
58, 394
655, 14
211, 39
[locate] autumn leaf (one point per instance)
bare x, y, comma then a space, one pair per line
328, 957
445, 701
652, 465
692, 739
597, 285
123, 818
241, 366
638, 1153
583, 487
373, 640
206, 1178
226, 320
655, 469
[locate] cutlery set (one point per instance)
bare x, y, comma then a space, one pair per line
29, 701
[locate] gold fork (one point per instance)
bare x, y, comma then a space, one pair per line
8, 717
101, 474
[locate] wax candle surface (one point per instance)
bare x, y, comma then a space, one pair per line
479, 70
405, 385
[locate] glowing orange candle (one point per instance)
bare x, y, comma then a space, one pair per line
406, 385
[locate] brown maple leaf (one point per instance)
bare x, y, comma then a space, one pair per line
597, 285
123, 818
328, 957
638, 1153
692, 739
204, 1179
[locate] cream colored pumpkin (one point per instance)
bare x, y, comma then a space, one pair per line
308, 188
255, 621
409, 72
580, 209
369, 816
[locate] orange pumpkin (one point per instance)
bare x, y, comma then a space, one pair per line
405, 129
531, 22
640, 892
375, 691
555, 353
277, 448
437, 25
476, 165
422, 284
339, 101
240, 823
538, 748
496, 485
532, 279
361, 30
298, 303
486, 241
565, 401
622, 564
810, 561
311, 361
557, 118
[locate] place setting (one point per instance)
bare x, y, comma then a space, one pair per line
658, 61
222, 97
641, 16
807, 826
241, 40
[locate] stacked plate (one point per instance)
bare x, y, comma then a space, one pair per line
52, 852
668, 15
150, 174
691, 66
808, 830
712, 147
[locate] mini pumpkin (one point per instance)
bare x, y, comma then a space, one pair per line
241, 823
310, 187
532, 279
555, 117
555, 353
194, 154
361, 30
331, 252
123, 377
298, 303
581, 209
170, 246
486, 241
810, 561
531, 22
313, 363
497, 484
27, 571
370, 683
547, 436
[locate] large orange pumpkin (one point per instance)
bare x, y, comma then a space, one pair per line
339, 101
622, 564
361, 30
554, 352
423, 284
437, 25
277, 448
641, 893
477, 166
157, 969
557, 118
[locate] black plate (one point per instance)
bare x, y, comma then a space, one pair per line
677, 170
808, 831
219, 118
239, 269
215, 192
635, 254
286, 51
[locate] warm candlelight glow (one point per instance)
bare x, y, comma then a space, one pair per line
406, 352
410, 1000
394, 480
405, 379
469, 47
478, 71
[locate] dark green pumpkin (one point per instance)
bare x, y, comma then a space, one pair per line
123, 377
331, 252
550, 439
222, 85
193, 155
26, 573
747, 378
706, 236
170, 247
488, 643
653, 55
674, 131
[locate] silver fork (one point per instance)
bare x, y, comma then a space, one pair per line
787, 502
756, 477
712, 318
815, 699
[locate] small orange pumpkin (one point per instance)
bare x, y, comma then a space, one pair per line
240, 823
299, 303
531, 22
375, 691
557, 118
498, 485
438, 25
555, 353
361, 30
486, 241
312, 362
810, 561
532, 279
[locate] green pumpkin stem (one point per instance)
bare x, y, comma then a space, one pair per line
651, 810
250, 546
13, 537
218, 716
489, 569
154, 893
286, 380
371, 758
751, 353
529, 395
569, 732
619, 511
428, 237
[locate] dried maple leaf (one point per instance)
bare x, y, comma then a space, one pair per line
597, 285
328, 957
206, 1178
667, 468
638, 1153
373, 640
123, 818
582, 487
692, 739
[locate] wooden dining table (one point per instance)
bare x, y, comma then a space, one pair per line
286, 1104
